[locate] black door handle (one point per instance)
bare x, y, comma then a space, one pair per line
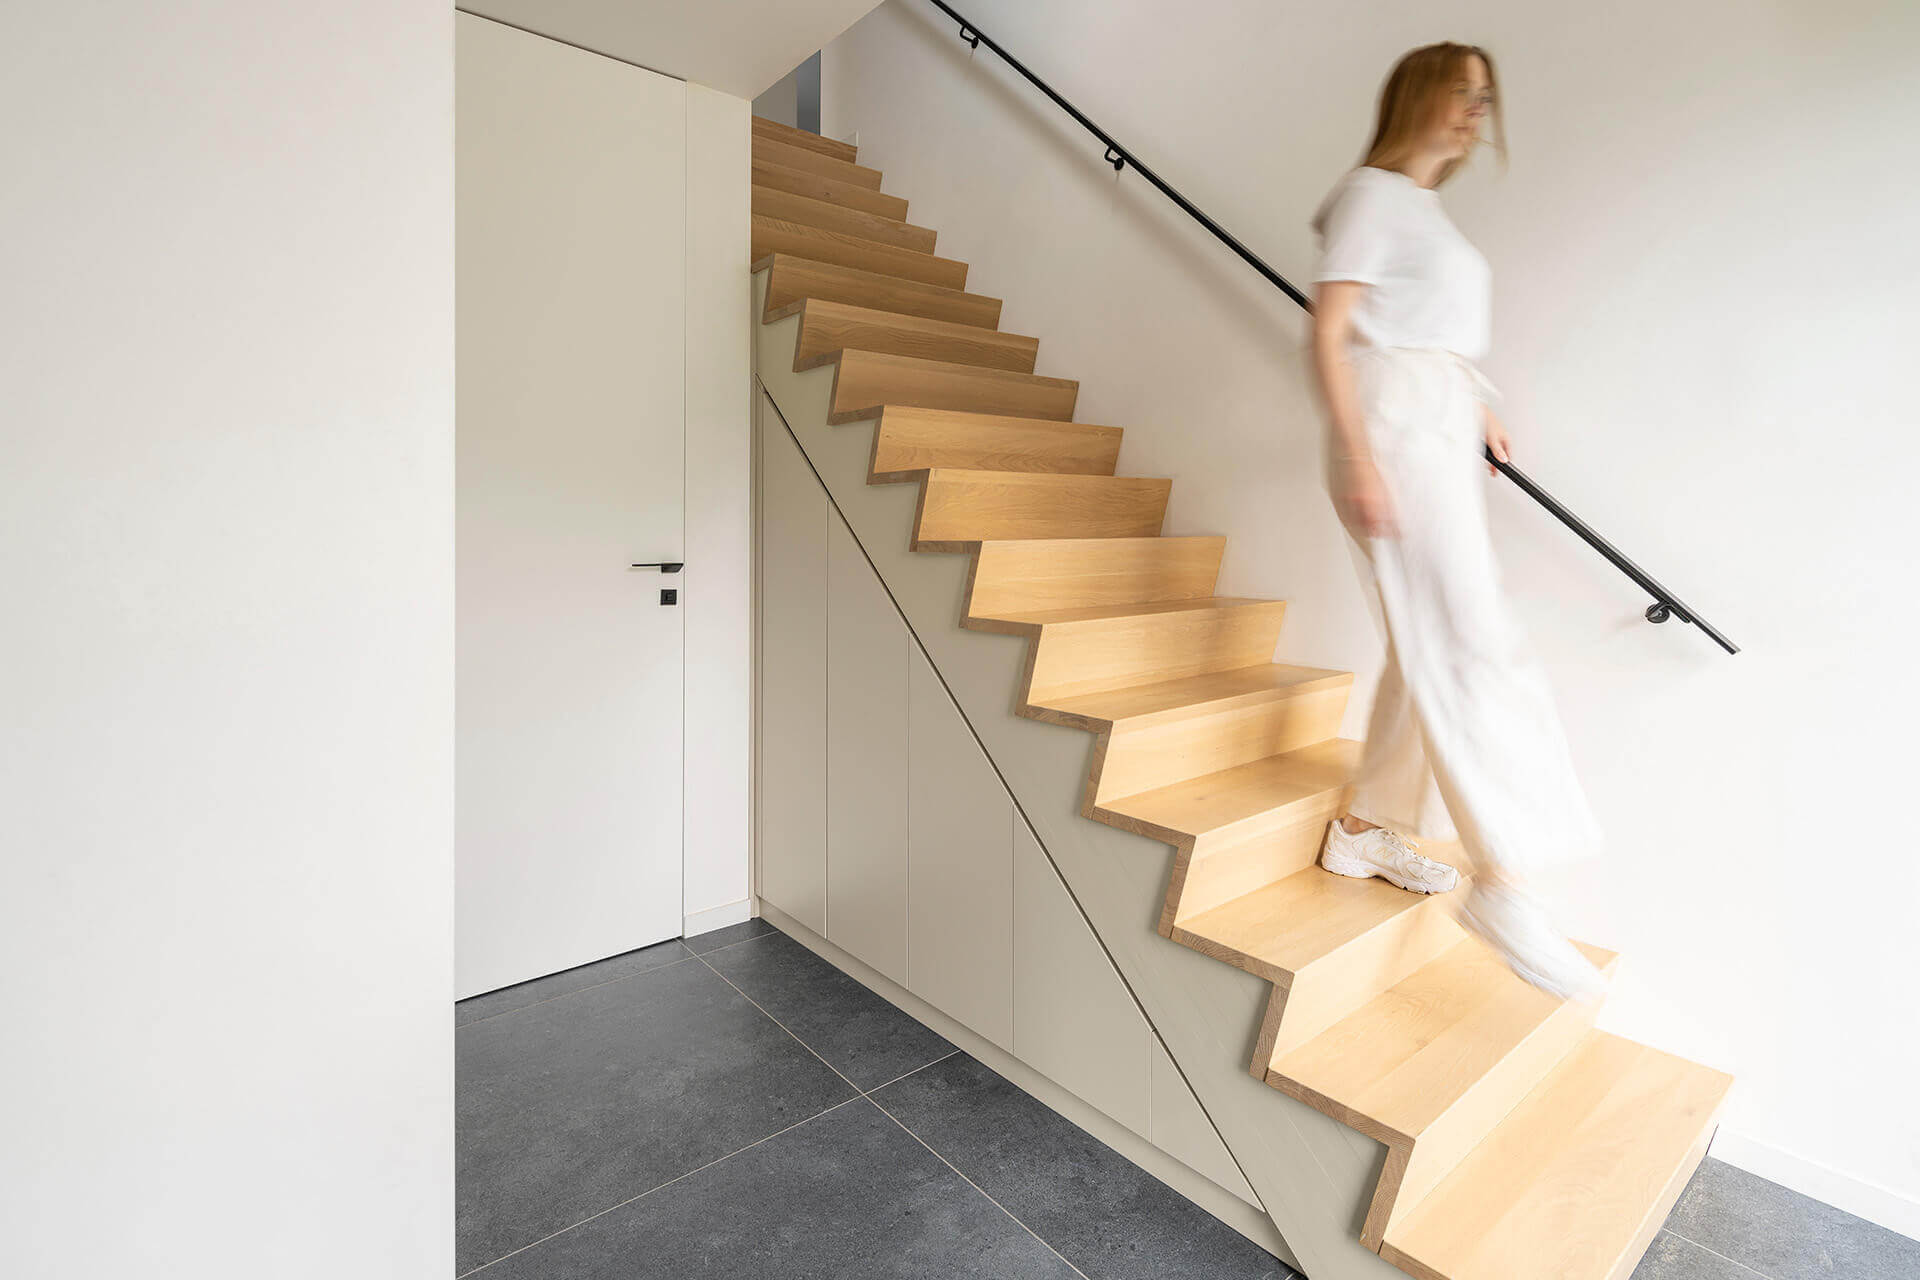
664, 566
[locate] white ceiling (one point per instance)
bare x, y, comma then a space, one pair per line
738, 46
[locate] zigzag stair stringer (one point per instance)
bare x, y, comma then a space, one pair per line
1314, 1175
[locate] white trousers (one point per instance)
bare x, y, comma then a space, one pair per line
1464, 740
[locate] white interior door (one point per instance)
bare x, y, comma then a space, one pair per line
571, 199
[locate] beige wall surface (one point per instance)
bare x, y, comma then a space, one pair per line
226, 530
1704, 303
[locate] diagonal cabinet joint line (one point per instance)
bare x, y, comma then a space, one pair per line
1019, 809
650, 1190
977, 1187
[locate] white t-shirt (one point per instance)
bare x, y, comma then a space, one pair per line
1430, 286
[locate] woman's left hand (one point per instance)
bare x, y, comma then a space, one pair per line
1497, 439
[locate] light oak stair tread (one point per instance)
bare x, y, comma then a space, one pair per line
1205, 694
828, 328
1216, 801
911, 440
791, 206
794, 279
1574, 1183
865, 382
776, 235
961, 508
1397, 1064
1303, 918
1037, 618
773, 129
820, 187
808, 160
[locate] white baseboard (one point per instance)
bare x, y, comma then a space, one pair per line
1863, 1199
716, 918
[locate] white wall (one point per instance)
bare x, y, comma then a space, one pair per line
1705, 284
226, 536
718, 796
737, 46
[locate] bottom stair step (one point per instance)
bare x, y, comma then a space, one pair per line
1574, 1183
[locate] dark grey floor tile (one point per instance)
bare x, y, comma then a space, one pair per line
845, 1196
568, 1107
714, 939
867, 1039
1671, 1258
558, 984
1784, 1235
1106, 1215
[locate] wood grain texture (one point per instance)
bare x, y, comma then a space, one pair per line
1154, 751
819, 187
1575, 1181
911, 440
827, 328
771, 235
788, 206
1431, 1065
1382, 1014
793, 280
1018, 576
865, 381
774, 131
1088, 650
960, 508
807, 160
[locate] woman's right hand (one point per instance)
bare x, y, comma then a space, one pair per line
1360, 499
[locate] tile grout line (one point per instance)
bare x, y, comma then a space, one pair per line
904, 1074
562, 995
691, 955
1715, 1252
977, 1187
650, 1190
909, 1132
783, 1026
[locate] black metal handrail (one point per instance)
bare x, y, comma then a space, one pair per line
1666, 604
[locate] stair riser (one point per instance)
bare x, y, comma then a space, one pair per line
769, 151
1448, 1140
773, 236
826, 216
793, 281
816, 187
1066, 574
908, 442
1162, 754
960, 508
825, 331
1220, 869
862, 386
774, 131
1093, 657
1337, 984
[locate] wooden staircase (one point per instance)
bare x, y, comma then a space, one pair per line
1520, 1141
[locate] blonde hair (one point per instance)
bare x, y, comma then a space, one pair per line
1412, 99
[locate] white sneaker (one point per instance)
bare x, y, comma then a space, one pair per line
1517, 927
1387, 854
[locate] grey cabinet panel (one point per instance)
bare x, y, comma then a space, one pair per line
866, 761
1073, 1020
792, 822
959, 867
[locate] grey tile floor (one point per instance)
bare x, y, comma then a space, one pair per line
733, 1106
